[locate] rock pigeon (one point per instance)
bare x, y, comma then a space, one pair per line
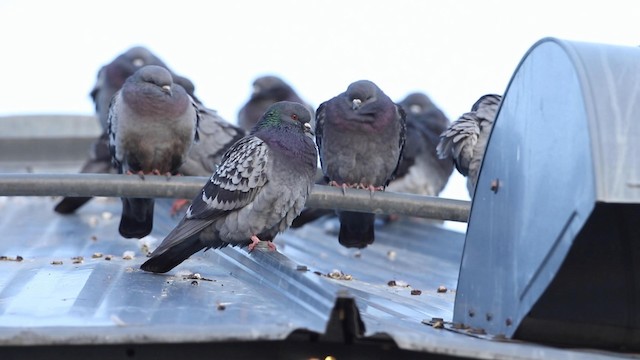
466, 138
261, 185
110, 79
267, 90
421, 171
360, 136
152, 125
216, 135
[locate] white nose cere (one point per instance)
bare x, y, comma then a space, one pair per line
138, 62
307, 126
356, 103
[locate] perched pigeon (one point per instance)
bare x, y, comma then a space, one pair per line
216, 135
110, 79
267, 90
152, 125
466, 138
360, 135
256, 192
421, 171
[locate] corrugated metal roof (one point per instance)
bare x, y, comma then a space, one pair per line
66, 291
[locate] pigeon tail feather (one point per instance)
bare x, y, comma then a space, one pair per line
173, 256
356, 229
137, 217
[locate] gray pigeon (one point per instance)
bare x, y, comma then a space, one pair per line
261, 185
466, 138
421, 171
110, 79
216, 135
360, 135
267, 90
152, 125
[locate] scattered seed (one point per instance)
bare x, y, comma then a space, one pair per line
94, 238
9, 258
442, 289
108, 257
128, 255
194, 283
476, 331
438, 324
195, 276
302, 268
77, 259
416, 292
391, 255
56, 262
221, 307
96, 255
339, 275
392, 283
357, 254
459, 326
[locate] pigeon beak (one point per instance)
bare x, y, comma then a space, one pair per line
355, 105
415, 109
307, 128
167, 89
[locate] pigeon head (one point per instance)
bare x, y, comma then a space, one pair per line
128, 63
361, 93
271, 87
487, 106
285, 115
156, 75
417, 103
140, 56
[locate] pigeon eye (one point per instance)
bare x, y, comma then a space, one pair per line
294, 117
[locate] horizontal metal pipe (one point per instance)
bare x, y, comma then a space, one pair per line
187, 187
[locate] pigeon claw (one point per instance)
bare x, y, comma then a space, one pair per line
343, 186
255, 241
177, 205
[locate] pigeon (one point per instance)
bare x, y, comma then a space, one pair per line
261, 185
216, 135
267, 90
465, 139
360, 136
110, 79
421, 171
152, 124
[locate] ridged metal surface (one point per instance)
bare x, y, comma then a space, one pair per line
47, 299
241, 296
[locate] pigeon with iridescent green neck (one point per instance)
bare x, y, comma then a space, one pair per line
261, 185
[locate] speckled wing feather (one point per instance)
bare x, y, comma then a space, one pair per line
234, 185
402, 118
112, 129
459, 141
320, 119
466, 138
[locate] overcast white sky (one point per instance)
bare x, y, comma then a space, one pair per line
455, 51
